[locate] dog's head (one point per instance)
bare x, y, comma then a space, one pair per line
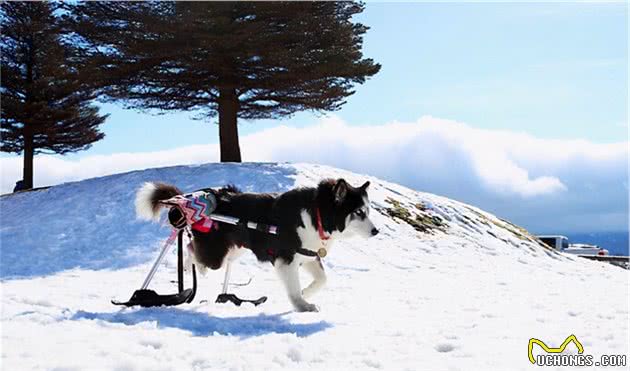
350, 208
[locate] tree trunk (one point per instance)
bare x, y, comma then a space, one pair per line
29, 152
228, 129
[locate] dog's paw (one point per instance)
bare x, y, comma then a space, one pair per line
306, 307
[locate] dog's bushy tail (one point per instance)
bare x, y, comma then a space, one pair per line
149, 196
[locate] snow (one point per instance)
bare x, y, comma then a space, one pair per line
466, 296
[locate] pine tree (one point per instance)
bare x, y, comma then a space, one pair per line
45, 101
234, 60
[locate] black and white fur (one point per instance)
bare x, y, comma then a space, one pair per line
344, 212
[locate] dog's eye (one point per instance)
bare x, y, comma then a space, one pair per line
360, 213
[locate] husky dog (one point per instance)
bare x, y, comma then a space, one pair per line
309, 220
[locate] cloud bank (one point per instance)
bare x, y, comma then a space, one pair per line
545, 185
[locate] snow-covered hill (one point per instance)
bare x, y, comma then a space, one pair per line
443, 286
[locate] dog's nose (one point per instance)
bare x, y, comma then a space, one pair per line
374, 231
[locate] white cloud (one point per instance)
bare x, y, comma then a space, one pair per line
536, 182
428, 144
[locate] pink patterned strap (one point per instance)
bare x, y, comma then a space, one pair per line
196, 208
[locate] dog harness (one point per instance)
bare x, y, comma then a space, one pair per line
195, 209
321, 252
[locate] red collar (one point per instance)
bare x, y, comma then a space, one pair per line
320, 229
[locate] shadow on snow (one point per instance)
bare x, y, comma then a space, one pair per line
202, 324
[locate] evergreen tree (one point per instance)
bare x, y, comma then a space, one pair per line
247, 60
45, 103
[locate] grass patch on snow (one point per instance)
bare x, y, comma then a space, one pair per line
420, 220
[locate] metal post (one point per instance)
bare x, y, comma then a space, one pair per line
157, 262
226, 279
180, 261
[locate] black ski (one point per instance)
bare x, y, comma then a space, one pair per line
224, 298
149, 298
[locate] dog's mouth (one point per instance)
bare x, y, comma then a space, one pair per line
362, 230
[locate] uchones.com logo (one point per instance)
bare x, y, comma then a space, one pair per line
555, 356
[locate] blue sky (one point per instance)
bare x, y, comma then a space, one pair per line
518, 108
555, 70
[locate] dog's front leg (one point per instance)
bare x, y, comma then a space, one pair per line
316, 270
290, 278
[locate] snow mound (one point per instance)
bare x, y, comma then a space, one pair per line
92, 223
443, 286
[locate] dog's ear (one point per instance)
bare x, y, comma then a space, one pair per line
340, 189
365, 185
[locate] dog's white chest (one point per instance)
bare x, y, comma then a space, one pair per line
310, 237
